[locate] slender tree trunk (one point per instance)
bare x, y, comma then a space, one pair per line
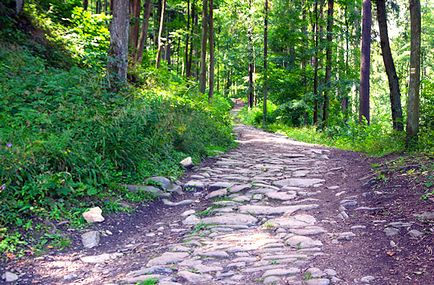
144, 32
264, 114
250, 95
315, 30
118, 51
134, 27
187, 41
85, 4
194, 23
365, 62
345, 99
211, 50
389, 65
414, 86
203, 46
328, 74
160, 34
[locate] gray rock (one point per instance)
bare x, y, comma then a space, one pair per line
346, 236
271, 280
163, 182
272, 210
389, 231
415, 234
217, 193
100, 258
298, 182
301, 242
90, 239
315, 272
10, 277
167, 258
320, 281
188, 213
220, 185
367, 279
175, 204
239, 188
283, 196
425, 216
193, 278
213, 254
231, 219
281, 272
148, 189
348, 203
296, 221
194, 186
191, 220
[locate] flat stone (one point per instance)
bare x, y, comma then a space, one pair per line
150, 270
415, 234
301, 242
167, 258
193, 278
148, 189
239, 188
330, 272
191, 220
10, 277
188, 213
271, 280
90, 239
367, 279
214, 254
346, 236
298, 182
320, 281
272, 210
217, 193
308, 231
220, 185
231, 219
163, 182
333, 187
389, 231
175, 204
94, 215
283, 196
281, 272
315, 272
425, 216
296, 221
142, 278
194, 186
348, 203
100, 258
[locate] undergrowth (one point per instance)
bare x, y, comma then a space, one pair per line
67, 143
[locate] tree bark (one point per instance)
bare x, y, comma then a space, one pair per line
194, 22
187, 41
328, 74
365, 62
85, 4
250, 95
134, 27
203, 68
160, 34
118, 52
211, 50
414, 86
264, 113
144, 32
389, 65
315, 30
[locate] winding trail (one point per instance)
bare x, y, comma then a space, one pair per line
271, 211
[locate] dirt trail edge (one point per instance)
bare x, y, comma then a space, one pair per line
272, 211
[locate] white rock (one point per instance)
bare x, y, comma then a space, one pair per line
193, 278
191, 220
188, 213
367, 279
10, 277
303, 242
90, 239
231, 219
217, 193
100, 258
187, 162
94, 215
167, 258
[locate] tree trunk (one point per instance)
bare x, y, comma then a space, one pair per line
211, 50
328, 74
264, 113
315, 30
365, 62
389, 65
144, 32
85, 4
194, 22
160, 34
118, 51
414, 86
250, 95
202, 78
187, 41
134, 27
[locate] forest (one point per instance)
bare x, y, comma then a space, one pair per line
99, 94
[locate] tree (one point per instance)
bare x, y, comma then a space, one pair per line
85, 4
202, 79
118, 51
414, 86
365, 62
144, 32
160, 34
315, 32
264, 113
250, 95
389, 65
134, 26
211, 50
328, 74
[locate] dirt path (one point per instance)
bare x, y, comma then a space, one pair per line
272, 211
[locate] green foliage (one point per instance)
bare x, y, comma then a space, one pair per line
150, 281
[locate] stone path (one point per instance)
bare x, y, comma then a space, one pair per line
259, 227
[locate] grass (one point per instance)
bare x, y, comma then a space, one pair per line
150, 281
